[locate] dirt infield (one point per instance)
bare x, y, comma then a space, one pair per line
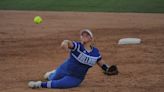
28, 50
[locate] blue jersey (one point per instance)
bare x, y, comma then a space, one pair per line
80, 60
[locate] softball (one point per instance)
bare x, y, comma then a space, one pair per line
38, 20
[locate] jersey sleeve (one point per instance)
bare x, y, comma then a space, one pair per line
75, 46
99, 56
99, 59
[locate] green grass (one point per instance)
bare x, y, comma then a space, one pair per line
151, 6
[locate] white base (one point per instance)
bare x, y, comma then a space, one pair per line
129, 41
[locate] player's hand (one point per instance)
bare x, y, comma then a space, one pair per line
112, 70
64, 45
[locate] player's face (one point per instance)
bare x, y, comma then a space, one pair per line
85, 37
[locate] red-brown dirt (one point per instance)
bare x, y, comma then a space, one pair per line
28, 50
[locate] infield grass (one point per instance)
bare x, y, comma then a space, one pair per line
151, 6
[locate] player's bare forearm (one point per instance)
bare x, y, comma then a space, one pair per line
100, 63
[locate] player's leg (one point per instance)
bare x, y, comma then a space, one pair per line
65, 82
47, 74
56, 74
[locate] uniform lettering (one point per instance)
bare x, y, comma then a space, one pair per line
86, 59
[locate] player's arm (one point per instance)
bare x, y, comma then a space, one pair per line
108, 70
67, 44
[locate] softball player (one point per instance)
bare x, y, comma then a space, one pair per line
83, 55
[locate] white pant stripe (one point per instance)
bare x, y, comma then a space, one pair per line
49, 84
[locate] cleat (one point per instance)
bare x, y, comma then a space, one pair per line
33, 84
